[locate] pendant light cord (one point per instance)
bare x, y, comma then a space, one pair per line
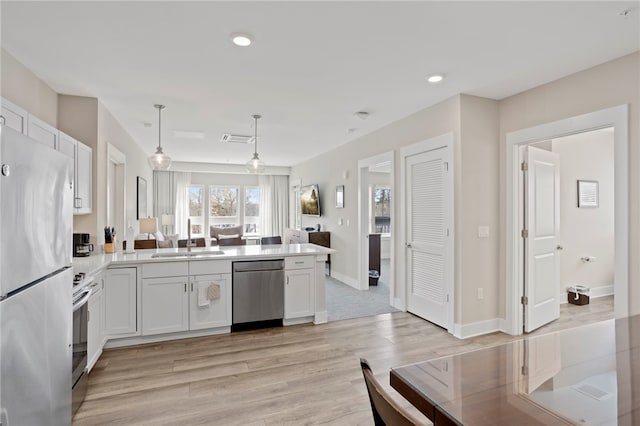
255, 143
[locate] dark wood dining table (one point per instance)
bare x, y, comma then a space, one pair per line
580, 376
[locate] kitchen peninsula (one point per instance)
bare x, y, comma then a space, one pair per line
156, 295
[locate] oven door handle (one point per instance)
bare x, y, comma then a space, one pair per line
80, 302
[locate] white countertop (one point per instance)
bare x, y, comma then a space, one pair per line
93, 264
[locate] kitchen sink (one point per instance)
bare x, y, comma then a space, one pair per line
188, 254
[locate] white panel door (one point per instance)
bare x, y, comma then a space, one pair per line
542, 222
427, 192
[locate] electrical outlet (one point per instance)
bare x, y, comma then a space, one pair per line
483, 232
480, 293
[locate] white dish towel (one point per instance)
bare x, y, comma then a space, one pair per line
207, 291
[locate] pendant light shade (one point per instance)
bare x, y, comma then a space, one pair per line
255, 165
159, 160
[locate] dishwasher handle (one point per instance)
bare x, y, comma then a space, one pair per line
259, 265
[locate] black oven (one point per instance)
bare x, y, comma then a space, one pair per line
80, 325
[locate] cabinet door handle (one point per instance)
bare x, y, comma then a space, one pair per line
185, 287
4, 120
287, 279
191, 286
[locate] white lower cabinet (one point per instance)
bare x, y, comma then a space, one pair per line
165, 305
299, 288
95, 328
209, 308
120, 302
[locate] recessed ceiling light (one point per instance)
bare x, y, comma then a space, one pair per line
435, 78
242, 40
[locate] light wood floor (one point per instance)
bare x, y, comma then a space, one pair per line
294, 375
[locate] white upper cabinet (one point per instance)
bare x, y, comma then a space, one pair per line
82, 164
13, 116
42, 132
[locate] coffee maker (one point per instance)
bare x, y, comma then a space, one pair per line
81, 245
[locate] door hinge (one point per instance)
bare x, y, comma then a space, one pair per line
525, 233
525, 370
524, 300
446, 166
524, 166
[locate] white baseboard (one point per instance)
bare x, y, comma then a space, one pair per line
296, 321
351, 282
397, 303
321, 317
464, 331
602, 291
138, 340
594, 292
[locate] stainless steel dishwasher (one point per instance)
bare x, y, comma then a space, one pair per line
258, 291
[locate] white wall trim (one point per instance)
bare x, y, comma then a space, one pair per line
138, 340
465, 331
345, 279
399, 304
184, 166
601, 291
321, 317
616, 117
363, 219
447, 141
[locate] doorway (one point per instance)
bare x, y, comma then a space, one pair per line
517, 300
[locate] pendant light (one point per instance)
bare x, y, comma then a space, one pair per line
159, 160
255, 165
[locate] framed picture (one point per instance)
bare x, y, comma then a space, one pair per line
340, 197
587, 193
141, 198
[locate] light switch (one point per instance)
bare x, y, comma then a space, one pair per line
483, 232
340, 222
347, 222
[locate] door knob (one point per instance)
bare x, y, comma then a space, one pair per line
408, 245
559, 247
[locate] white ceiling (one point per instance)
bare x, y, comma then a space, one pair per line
312, 64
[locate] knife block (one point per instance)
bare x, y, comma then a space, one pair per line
110, 247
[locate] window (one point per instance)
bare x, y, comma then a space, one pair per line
381, 209
196, 210
229, 205
252, 210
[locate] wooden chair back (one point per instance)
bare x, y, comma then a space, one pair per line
141, 244
271, 240
385, 410
231, 242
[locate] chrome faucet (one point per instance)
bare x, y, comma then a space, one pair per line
189, 242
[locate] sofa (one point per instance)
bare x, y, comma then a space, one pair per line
217, 233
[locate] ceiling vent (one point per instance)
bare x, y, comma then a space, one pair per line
229, 138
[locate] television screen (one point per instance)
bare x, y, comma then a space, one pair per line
310, 200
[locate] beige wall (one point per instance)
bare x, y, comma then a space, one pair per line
87, 120
78, 117
327, 171
22, 87
606, 85
110, 131
477, 203
586, 231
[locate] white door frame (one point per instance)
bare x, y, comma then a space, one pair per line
616, 117
363, 219
443, 141
117, 157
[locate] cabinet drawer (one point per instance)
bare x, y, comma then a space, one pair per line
298, 262
166, 269
208, 267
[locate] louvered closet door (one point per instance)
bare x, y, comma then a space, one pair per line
427, 240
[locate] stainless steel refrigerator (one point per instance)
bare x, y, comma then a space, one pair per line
36, 199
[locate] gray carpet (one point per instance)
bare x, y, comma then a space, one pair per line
345, 302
